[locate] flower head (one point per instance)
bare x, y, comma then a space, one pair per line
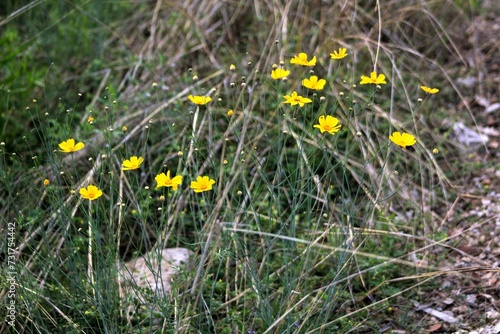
132, 163
402, 139
329, 124
46, 182
279, 73
295, 99
341, 53
90, 193
163, 180
200, 100
69, 146
230, 112
202, 183
301, 59
373, 79
90, 119
314, 83
429, 90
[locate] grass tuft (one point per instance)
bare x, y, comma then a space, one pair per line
307, 227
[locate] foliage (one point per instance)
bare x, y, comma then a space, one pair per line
297, 205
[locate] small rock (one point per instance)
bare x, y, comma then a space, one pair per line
146, 272
493, 107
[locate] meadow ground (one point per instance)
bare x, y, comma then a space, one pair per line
319, 166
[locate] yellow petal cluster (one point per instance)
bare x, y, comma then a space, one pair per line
295, 99
340, 54
91, 192
200, 100
163, 180
313, 83
279, 73
429, 90
202, 183
70, 146
132, 163
328, 124
402, 139
373, 79
301, 59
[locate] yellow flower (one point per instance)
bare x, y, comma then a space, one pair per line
429, 90
330, 124
342, 53
295, 99
402, 139
69, 146
163, 180
124, 128
279, 73
90, 119
373, 79
230, 112
202, 183
301, 59
90, 193
133, 163
46, 182
314, 83
200, 99
232, 67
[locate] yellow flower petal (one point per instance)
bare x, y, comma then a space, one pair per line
301, 59
402, 139
373, 79
69, 146
295, 99
279, 73
328, 124
163, 180
132, 163
90, 193
340, 54
314, 83
199, 99
202, 183
429, 90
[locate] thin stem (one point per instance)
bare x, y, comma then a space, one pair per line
91, 266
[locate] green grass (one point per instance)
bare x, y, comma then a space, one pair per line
303, 232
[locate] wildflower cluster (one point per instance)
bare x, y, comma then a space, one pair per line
328, 123
92, 192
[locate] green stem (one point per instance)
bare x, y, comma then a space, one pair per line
91, 266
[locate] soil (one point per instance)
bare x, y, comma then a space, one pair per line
468, 297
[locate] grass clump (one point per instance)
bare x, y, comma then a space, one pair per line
294, 164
